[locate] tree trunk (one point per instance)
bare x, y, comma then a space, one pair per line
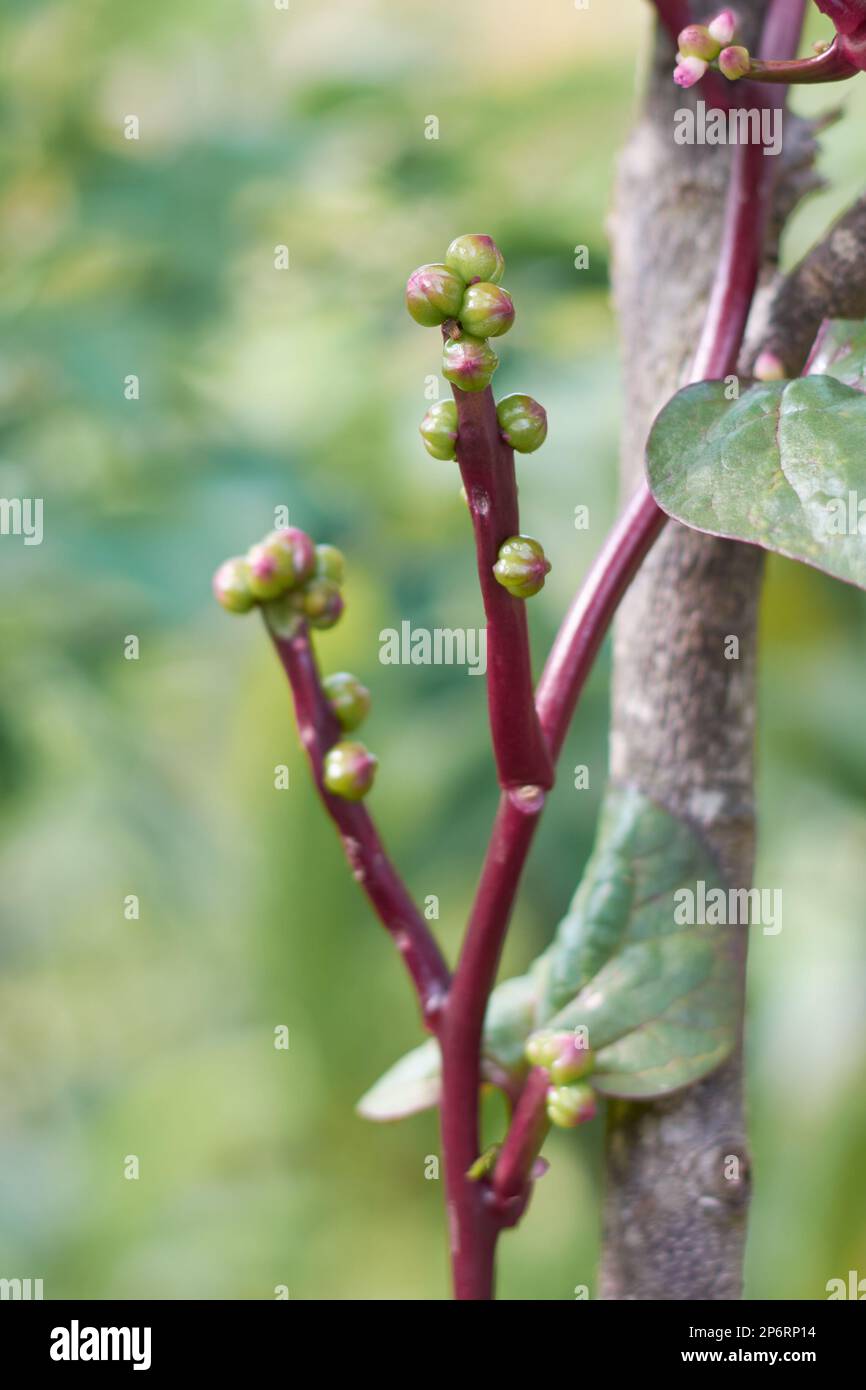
677, 1182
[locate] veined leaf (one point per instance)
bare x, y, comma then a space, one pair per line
782, 467
662, 1009
658, 997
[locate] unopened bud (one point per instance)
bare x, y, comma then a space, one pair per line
300, 548
434, 293
543, 1048
522, 566
560, 1053
476, 257
723, 28
735, 63
696, 41
574, 1061
330, 563
487, 310
349, 770
522, 422
439, 430
348, 698
271, 568
322, 603
769, 367
469, 363
689, 71
570, 1106
231, 585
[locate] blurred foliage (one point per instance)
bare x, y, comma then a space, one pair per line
155, 777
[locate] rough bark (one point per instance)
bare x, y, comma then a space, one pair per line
683, 713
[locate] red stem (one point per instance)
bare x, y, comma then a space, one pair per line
526, 1134
370, 865
674, 15
831, 66
472, 1214
487, 468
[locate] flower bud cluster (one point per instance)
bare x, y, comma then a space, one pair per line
293, 580
702, 46
567, 1060
463, 296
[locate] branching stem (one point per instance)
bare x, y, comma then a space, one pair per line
370, 865
471, 1215
487, 469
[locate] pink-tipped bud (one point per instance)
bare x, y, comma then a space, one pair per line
564, 1055
696, 41
723, 28
573, 1062
231, 586
689, 71
570, 1106
769, 367
349, 770
734, 63
300, 549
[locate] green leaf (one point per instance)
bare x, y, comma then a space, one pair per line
840, 351
783, 467
659, 998
661, 1005
412, 1084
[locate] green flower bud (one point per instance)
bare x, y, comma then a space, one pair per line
321, 602
349, 770
562, 1054
696, 41
469, 363
570, 1106
271, 568
573, 1062
487, 310
769, 367
543, 1048
734, 62
523, 423
434, 293
348, 698
300, 548
330, 563
439, 430
284, 615
522, 566
476, 257
231, 585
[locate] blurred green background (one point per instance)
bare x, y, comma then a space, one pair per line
154, 777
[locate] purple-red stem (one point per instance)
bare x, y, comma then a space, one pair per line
487, 468
831, 66
370, 865
526, 1134
473, 1217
